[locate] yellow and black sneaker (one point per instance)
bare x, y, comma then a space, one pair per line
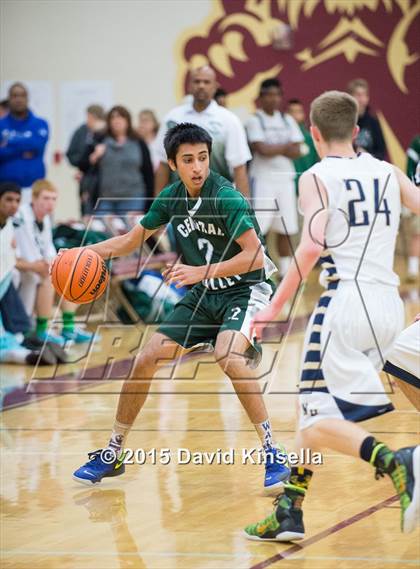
284, 524
403, 467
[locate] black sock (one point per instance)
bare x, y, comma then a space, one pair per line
367, 447
298, 484
378, 454
301, 477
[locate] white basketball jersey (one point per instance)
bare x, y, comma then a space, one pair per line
365, 206
32, 242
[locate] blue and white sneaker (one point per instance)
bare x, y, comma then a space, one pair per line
79, 336
103, 463
277, 471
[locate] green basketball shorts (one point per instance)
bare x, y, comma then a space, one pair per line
201, 315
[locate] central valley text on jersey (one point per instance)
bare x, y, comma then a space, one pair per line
206, 228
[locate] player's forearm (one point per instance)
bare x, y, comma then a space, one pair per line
241, 180
410, 194
122, 245
304, 260
411, 200
243, 262
114, 247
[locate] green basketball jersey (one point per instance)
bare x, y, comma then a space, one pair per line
206, 227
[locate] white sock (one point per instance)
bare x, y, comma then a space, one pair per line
265, 434
119, 433
413, 265
284, 265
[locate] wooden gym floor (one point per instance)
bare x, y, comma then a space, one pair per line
181, 516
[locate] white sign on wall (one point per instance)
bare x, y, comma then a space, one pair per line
75, 97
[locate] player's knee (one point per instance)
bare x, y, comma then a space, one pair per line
231, 364
312, 436
220, 354
146, 362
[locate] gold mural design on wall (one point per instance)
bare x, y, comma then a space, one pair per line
349, 47
398, 57
232, 27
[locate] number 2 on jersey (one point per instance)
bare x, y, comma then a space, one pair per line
205, 244
235, 312
358, 216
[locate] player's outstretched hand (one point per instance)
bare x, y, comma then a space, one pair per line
182, 275
260, 321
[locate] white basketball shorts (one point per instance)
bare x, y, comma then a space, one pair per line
404, 359
350, 333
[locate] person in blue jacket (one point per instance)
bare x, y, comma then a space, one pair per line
23, 137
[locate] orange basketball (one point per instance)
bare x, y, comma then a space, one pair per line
80, 275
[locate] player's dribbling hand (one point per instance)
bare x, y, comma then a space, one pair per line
182, 275
260, 321
53, 262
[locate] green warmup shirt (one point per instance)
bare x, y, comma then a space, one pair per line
206, 227
309, 157
413, 158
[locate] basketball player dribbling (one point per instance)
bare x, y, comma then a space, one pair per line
351, 205
223, 255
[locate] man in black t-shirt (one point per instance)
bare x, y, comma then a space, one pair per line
370, 138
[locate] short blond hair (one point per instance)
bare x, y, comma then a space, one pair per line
334, 113
357, 84
41, 185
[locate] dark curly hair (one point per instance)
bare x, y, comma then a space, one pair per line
185, 133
